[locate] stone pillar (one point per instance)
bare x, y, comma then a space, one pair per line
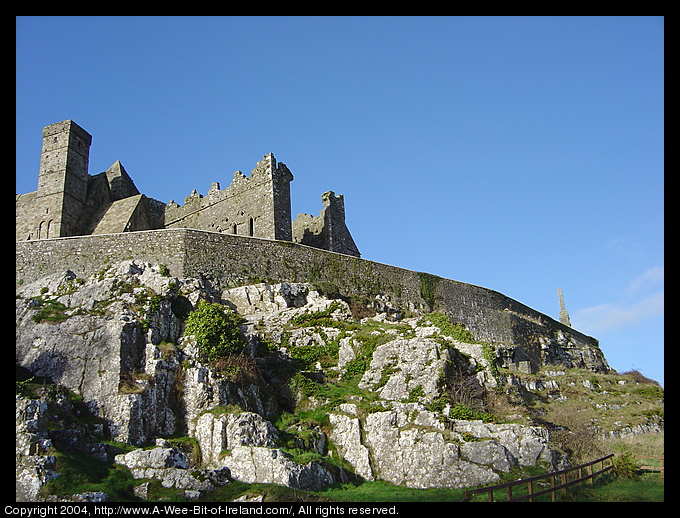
564, 316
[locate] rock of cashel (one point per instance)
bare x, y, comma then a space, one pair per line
70, 202
349, 369
243, 234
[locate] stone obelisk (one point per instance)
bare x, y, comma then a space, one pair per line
564, 316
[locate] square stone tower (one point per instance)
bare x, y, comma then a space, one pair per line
62, 181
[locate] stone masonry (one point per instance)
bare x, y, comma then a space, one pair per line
70, 202
244, 235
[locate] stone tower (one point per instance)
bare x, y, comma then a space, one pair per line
275, 203
327, 230
564, 316
62, 180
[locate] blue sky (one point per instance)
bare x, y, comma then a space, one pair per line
518, 154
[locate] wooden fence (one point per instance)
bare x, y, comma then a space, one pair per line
558, 481
659, 468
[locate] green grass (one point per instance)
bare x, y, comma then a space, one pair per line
380, 491
646, 487
82, 473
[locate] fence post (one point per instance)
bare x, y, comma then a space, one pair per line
563, 482
552, 485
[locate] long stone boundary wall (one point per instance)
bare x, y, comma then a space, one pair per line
229, 261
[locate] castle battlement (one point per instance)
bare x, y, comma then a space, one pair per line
70, 202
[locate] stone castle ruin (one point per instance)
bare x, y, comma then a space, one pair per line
71, 202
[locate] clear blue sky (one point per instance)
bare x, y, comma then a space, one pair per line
518, 154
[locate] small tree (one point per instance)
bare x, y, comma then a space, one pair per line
625, 464
215, 329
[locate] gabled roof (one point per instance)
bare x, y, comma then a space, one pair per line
120, 215
120, 183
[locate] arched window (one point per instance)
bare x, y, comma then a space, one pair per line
235, 228
251, 227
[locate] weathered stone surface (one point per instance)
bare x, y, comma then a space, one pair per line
415, 364
273, 466
107, 344
262, 298
488, 453
156, 458
245, 443
528, 444
410, 445
407, 454
126, 356
42, 424
32, 472
347, 437
216, 434
171, 467
203, 389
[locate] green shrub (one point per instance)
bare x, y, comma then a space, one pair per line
428, 288
215, 329
625, 464
465, 413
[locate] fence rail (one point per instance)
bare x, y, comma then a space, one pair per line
659, 468
553, 477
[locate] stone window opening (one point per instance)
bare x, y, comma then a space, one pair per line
251, 227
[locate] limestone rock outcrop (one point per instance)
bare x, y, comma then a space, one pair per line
171, 468
116, 342
409, 445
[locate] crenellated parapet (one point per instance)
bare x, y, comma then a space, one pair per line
70, 202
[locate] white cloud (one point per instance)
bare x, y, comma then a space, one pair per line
650, 277
596, 319
642, 299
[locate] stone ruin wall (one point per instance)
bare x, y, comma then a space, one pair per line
71, 202
230, 261
257, 205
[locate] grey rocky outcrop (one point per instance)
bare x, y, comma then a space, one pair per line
274, 466
34, 466
116, 341
217, 434
246, 443
171, 468
415, 364
409, 445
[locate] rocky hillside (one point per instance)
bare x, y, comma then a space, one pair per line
177, 386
